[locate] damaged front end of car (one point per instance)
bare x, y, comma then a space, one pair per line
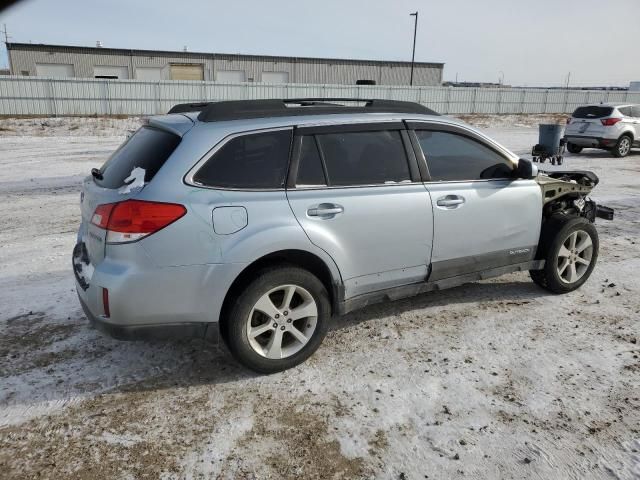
568, 192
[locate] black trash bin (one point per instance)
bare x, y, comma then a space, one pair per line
550, 144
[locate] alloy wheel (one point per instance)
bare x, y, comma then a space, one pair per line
624, 146
574, 257
282, 321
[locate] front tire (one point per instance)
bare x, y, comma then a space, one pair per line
569, 246
279, 320
623, 147
573, 148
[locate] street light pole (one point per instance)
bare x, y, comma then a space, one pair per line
413, 55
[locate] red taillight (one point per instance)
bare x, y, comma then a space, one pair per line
105, 302
100, 217
134, 219
607, 122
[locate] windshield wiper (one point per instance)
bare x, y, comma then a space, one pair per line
97, 174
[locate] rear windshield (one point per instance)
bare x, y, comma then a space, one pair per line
148, 149
592, 112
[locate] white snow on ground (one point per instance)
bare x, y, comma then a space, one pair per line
496, 379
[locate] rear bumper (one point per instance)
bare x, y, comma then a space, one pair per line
150, 332
591, 142
149, 302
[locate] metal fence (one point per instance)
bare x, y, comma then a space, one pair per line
87, 96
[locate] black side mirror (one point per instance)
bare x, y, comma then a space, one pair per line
526, 169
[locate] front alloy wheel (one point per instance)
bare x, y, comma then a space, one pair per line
279, 319
574, 256
569, 245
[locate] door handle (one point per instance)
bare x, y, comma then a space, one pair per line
450, 201
325, 209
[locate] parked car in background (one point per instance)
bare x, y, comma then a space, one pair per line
261, 219
608, 126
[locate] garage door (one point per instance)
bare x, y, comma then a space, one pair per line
275, 77
110, 71
54, 70
187, 72
230, 76
149, 73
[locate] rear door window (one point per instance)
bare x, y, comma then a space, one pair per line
364, 158
592, 112
454, 157
148, 148
255, 160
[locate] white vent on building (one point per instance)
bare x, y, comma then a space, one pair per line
58, 70
98, 44
230, 76
149, 73
275, 77
110, 71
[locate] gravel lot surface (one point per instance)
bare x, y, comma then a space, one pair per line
496, 379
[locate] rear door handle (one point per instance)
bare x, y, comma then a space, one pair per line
450, 201
324, 210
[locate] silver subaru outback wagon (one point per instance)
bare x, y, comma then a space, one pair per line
260, 220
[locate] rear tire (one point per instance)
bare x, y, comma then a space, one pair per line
279, 320
569, 246
623, 147
573, 148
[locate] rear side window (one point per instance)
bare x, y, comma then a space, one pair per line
148, 148
592, 112
626, 111
453, 157
257, 160
635, 111
364, 158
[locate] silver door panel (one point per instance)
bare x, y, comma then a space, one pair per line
378, 236
483, 224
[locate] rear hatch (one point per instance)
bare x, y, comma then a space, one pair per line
586, 121
122, 177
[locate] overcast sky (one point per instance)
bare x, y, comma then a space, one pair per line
534, 42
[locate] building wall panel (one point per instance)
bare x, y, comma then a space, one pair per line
299, 70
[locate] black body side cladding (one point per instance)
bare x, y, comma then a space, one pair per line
413, 289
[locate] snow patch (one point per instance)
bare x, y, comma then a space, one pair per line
134, 182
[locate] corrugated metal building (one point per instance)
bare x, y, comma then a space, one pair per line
97, 62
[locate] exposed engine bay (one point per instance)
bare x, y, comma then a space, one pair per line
567, 192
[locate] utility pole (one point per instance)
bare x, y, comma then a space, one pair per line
6, 44
568, 79
413, 55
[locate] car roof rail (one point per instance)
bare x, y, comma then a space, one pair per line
245, 109
189, 107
